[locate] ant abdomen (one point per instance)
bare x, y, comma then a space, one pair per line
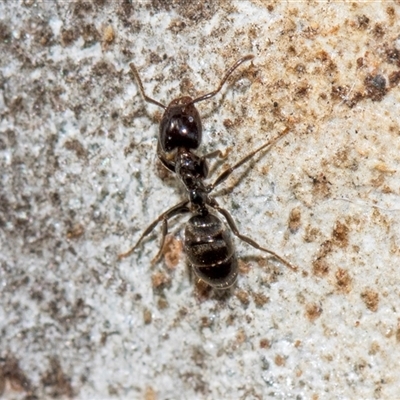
210, 251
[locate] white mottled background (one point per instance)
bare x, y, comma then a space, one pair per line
80, 180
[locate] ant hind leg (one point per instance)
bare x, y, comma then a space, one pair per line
179, 208
246, 239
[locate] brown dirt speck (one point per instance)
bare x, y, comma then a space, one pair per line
108, 35
343, 280
160, 280
150, 394
378, 31
57, 381
393, 56
202, 290
280, 361
162, 303
260, 299
68, 36
391, 12
375, 87
311, 234
77, 147
339, 92
190, 12
176, 26
90, 35
82, 9
294, 220
240, 337
313, 311
147, 316
374, 348
340, 235
398, 332
360, 62
321, 186
265, 344
206, 322
11, 372
302, 91
343, 159
198, 356
76, 231
371, 299
320, 267
228, 123
243, 297
394, 78
244, 267
172, 251
362, 21
5, 33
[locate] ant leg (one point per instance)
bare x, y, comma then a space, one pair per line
169, 164
246, 239
177, 209
249, 156
164, 234
221, 156
218, 153
140, 84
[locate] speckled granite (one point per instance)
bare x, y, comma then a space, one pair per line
80, 181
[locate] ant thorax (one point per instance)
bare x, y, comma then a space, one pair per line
190, 168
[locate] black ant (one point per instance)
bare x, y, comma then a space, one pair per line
208, 243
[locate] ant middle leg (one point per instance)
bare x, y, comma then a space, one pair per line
225, 174
179, 208
251, 242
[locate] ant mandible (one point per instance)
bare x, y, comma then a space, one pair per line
208, 243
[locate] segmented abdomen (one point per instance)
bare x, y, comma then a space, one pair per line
210, 251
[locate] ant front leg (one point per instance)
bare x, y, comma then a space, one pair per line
251, 242
218, 153
168, 163
222, 155
180, 208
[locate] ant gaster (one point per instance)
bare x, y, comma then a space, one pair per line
208, 243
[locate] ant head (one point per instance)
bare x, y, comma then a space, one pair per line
180, 125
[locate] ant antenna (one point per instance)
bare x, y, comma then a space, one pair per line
139, 82
227, 74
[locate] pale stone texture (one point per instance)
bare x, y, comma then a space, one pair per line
80, 181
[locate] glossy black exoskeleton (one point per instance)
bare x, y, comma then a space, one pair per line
208, 243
